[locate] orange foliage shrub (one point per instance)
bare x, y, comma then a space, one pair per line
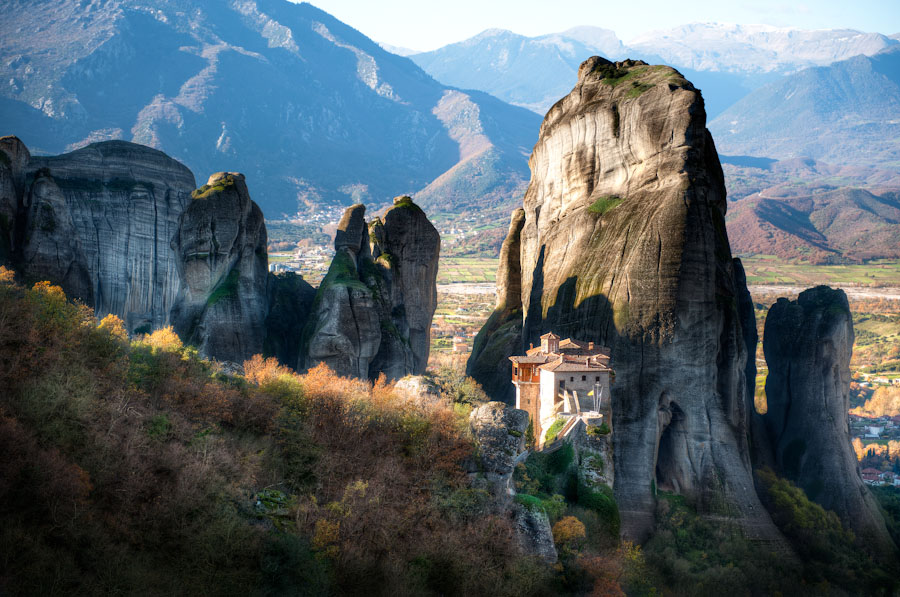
165, 339
114, 326
259, 370
569, 533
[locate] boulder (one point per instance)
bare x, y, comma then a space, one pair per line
220, 251
499, 432
808, 343
420, 389
624, 244
533, 532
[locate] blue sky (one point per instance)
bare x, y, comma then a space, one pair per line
425, 24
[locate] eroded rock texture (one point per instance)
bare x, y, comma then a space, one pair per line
14, 157
624, 244
499, 433
220, 251
98, 221
406, 245
808, 343
372, 313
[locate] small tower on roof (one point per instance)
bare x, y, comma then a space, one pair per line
549, 343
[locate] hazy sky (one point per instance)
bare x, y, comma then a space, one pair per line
427, 24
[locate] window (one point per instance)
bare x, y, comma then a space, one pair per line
597, 378
572, 378
584, 378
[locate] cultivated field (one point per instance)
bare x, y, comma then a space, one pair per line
453, 270
771, 270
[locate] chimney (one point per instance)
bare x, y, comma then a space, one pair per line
531, 346
590, 346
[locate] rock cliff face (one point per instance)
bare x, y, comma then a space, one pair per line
372, 312
624, 244
14, 157
808, 343
220, 252
99, 221
406, 245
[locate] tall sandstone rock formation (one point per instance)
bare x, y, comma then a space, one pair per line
808, 343
220, 251
98, 221
372, 313
624, 243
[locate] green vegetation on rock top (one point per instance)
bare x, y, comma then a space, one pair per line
220, 185
405, 202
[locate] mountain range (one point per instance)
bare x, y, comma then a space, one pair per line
725, 61
317, 115
848, 111
312, 111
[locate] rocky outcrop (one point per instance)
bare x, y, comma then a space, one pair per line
808, 343
120, 227
595, 455
220, 253
501, 335
372, 313
420, 389
98, 221
499, 433
344, 331
406, 246
534, 533
624, 244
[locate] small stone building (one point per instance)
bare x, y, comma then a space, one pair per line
561, 377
